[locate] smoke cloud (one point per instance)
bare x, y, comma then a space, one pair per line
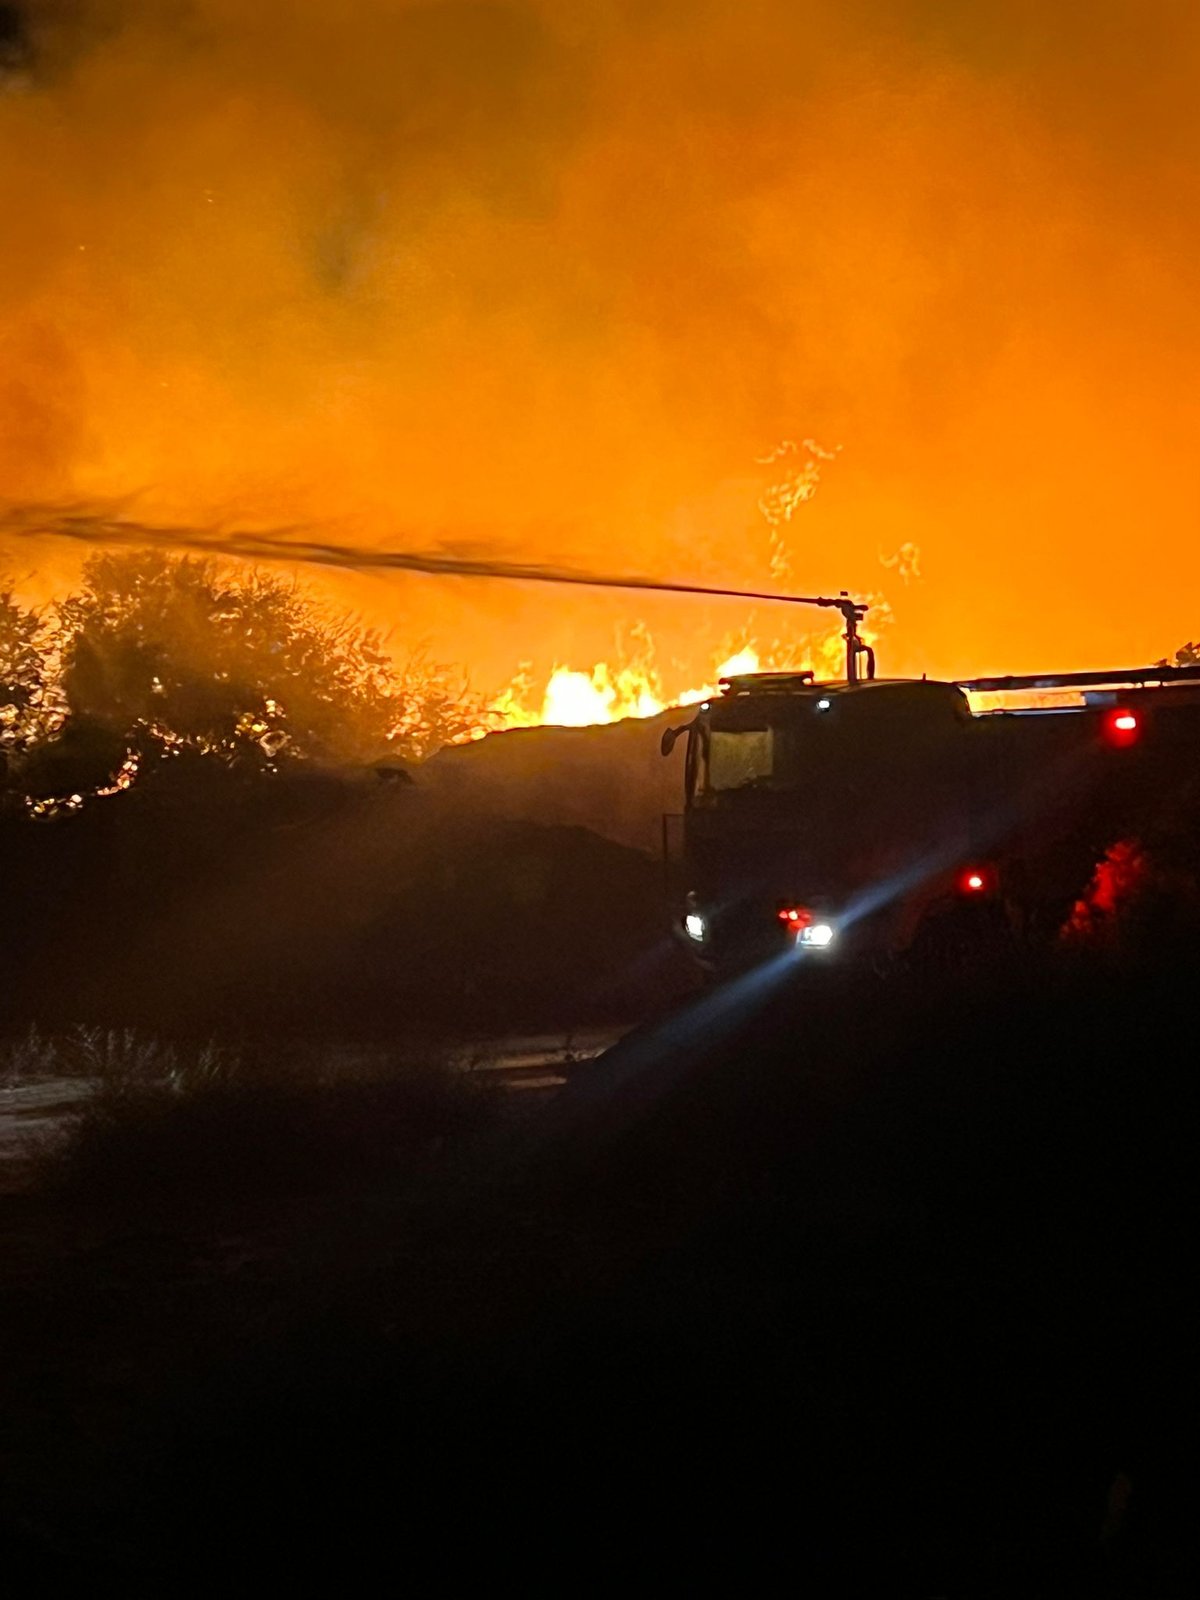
558, 276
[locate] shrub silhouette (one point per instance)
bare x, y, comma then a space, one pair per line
29, 710
243, 665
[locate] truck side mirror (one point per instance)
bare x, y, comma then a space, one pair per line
670, 736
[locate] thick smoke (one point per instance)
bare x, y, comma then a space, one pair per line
557, 275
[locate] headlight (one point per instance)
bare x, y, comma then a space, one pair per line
818, 934
693, 925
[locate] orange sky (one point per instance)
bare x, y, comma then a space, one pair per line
550, 278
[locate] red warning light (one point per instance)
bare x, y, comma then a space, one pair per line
1122, 727
795, 917
975, 880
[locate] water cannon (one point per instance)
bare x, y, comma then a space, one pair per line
853, 612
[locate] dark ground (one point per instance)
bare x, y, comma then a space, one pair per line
316, 906
875, 1290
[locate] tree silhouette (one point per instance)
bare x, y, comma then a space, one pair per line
29, 709
186, 653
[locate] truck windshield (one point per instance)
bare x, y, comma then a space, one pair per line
739, 756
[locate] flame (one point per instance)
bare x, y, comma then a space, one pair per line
575, 697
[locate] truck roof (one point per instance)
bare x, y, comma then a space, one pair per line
798, 682
888, 697
1178, 685
804, 684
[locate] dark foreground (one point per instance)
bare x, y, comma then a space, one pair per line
860, 1291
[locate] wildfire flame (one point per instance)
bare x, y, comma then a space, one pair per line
574, 697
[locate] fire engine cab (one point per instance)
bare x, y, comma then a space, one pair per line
870, 815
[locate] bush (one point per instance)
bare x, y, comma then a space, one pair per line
211, 1121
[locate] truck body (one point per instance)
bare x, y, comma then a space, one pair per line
870, 817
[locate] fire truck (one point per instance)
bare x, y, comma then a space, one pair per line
874, 817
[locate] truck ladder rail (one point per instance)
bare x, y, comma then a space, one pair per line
1119, 678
